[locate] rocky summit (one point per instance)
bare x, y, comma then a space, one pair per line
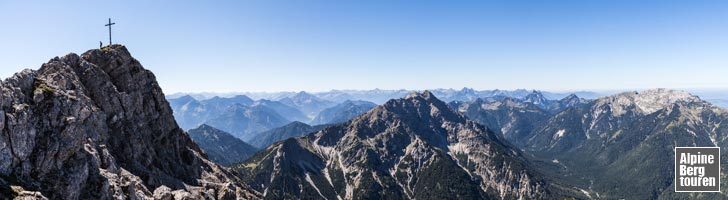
97, 126
410, 148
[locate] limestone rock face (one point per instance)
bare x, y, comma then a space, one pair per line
97, 126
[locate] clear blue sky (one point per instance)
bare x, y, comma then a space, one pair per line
195, 46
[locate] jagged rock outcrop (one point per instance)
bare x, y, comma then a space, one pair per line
410, 148
97, 126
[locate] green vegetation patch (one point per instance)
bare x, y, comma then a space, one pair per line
44, 88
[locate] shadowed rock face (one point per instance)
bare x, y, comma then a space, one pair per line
97, 126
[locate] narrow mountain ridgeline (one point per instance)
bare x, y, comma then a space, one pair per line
97, 126
345, 111
221, 147
410, 148
621, 146
294, 129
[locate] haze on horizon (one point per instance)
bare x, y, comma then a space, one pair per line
253, 46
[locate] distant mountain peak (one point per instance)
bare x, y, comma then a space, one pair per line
304, 94
411, 101
186, 98
571, 96
535, 94
297, 123
417, 105
468, 90
536, 98
663, 92
205, 126
646, 102
427, 95
242, 97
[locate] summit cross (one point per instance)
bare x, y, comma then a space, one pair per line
109, 25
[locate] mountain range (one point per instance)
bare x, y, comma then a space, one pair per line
549, 132
621, 146
245, 121
555, 140
515, 118
614, 147
244, 117
410, 148
380, 96
98, 126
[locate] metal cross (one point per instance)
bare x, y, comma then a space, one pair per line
109, 25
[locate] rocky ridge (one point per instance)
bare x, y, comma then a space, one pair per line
97, 126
